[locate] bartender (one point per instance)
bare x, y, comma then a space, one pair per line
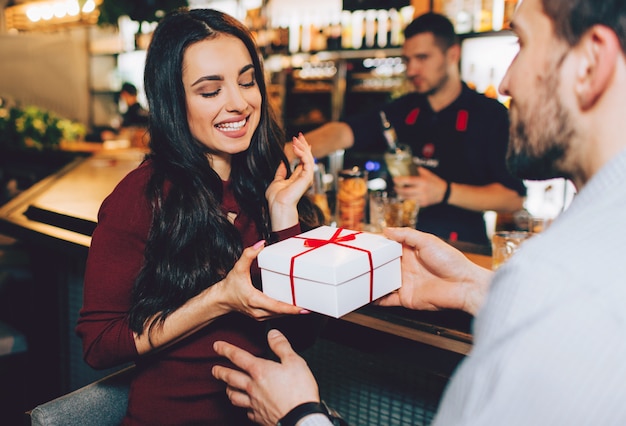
135, 114
134, 118
458, 138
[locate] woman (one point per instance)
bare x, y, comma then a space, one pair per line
167, 272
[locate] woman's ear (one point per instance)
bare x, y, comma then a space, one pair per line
598, 51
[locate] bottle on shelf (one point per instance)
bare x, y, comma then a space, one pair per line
306, 35
471, 82
370, 28
395, 30
346, 29
482, 15
509, 9
383, 28
491, 91
463, 17
358, 29
294, 35
497, 15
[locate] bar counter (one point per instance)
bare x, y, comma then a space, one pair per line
55, 219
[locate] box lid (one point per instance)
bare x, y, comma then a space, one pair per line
329, 262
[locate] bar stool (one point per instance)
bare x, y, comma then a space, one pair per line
14, 347
13, 375
13, 264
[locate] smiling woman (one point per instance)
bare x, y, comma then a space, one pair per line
222, 98
168, 271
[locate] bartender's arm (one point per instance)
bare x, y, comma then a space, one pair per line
326, 139
429, 189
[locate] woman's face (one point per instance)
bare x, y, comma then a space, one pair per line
222, 96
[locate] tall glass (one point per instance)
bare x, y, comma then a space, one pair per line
399, 161
351, 199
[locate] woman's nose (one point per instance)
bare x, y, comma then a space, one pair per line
236, 101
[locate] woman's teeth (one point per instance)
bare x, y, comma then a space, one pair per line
237, 125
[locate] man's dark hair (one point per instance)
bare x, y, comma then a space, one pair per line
129, 88
572, 18
434, 23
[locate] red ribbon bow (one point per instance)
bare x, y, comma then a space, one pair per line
315, 243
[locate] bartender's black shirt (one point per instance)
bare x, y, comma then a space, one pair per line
465, 142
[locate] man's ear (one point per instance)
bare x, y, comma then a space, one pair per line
598, 51
454, 53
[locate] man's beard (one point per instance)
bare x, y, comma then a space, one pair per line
541, 136
437, 86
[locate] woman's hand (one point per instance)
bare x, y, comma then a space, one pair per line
236, 292
283, 194
435, 275
233, 293
267, 389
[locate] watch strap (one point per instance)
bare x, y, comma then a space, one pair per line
446, 195
302, 410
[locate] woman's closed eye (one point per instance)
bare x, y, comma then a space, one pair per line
250, 83
247, 78
209, 93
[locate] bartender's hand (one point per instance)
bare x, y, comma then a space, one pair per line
427, 188
284, 193
267, 389
435, 275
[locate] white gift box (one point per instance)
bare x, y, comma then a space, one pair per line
332, 271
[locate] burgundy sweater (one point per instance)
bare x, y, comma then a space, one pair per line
173, 386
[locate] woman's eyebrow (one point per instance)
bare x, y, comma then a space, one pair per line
219, 77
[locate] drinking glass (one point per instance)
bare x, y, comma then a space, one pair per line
351, 199
400, 213
504, 244
399, 161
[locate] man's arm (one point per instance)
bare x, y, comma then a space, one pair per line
434, 276
494, 196
429, 189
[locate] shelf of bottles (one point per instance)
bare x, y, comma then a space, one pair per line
290, 28
334, 62
477, 16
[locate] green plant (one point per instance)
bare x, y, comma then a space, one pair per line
35, 128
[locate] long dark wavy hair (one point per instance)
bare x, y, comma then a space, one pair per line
191, 244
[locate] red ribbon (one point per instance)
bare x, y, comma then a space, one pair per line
315, 243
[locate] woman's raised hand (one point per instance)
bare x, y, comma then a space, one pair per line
284, 193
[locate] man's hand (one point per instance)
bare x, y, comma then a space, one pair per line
267, 389
435, 275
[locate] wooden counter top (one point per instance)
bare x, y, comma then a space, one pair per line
60, 212
62, 209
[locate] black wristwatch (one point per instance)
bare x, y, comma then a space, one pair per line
302, 410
